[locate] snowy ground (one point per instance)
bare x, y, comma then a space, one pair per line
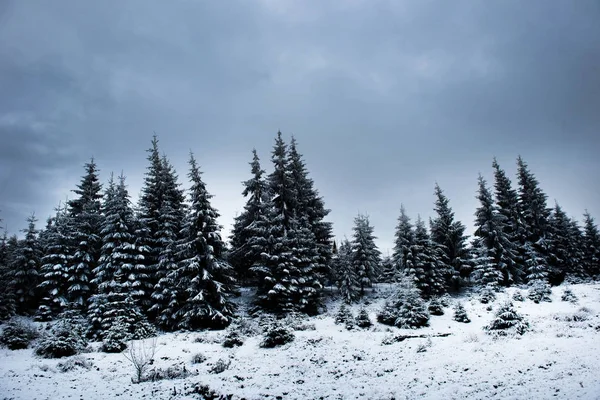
557, 359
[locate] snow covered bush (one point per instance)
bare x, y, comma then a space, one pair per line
487, 295
170, 373
460, 314
569, 296
277, 335
362, 319
344, 315
406, 309
115, 338
507, 321
246, 326
198, 358
445, 300
435, 307
73, 363
220, 366
540, 291
64, 340
233, 339
18, 334
518, 296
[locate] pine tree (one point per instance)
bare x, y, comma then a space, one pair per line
591, 246
493, 249
201, 284
565, 258
346, 277
507, 202
389, 272
365, 254
311, 206
119, 271
248, 239
84, 213
25, 269
54, 277
7, 296
404, 240
448, 235
535, 217
422, 263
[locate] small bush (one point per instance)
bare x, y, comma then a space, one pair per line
460, 314
170, 373
115, 338
487, 295
540, 291
569, 296
507, 321
198, 358
435, 307
246, 327
445, 300
233, 339
518, 296
18, 334
220, 366
73, 363
362, 319
422, 348
64, 340
277, 336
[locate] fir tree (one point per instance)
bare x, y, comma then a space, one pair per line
591, 246
535, 216
507, 202
365, 254
119, 271
565, 257
248, 239
389, 272
84, 214
25, 269
203, 278
54, 277
422, 263
448, 235
493, 250
346, 277
7, 296
404, 240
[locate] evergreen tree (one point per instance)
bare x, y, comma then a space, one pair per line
404, 240
25, 269
248, 239
389, 272
565, 238
365, 254
117, 275
7, 296
422, 263
199, 288
346, 277
507, 203
493, 250
54, 277
591, 246
535, 217
448, 235
84, 213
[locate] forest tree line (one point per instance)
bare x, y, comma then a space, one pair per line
163, 260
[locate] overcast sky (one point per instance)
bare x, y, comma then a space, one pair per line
385, 98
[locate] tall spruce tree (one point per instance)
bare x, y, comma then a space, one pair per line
117, 275
591, 246
423, 263
345, 273
7, 296
54, 276
535, 218
507, 203
366, 257
84, 214
25, 269
199, 289
248, 239
492, 247
448, 235
564, 258
404, 240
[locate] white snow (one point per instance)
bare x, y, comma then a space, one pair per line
556, 359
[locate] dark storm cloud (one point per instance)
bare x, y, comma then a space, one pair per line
385, 98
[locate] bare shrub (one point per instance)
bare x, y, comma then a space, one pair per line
141, 354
